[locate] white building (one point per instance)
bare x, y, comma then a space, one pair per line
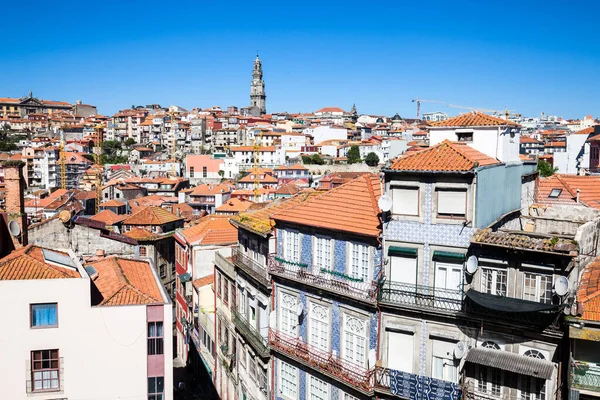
323, 133
435, 116
576, 156
490, 135
270, 157
102, 331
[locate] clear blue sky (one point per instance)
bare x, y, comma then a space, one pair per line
531, 56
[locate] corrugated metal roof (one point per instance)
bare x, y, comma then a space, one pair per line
511, 362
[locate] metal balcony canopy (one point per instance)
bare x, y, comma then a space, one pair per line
448, 255
402, 251
511, 362
508, 304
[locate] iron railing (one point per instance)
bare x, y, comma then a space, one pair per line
471, 392
251, 334
421, 296
325, 362
363, 291
585, 376
251, 267
413, 386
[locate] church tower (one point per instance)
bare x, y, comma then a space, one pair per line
257, 88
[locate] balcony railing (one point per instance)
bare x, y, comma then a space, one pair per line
397, 293
326, 362
326, 280
413, 386
251, 334
251, 267
585, 376
472, 392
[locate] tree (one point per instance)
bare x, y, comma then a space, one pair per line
372, 159
306, 160
317, 159
5, 130
545, 169
353, 155
111, 147
129, 142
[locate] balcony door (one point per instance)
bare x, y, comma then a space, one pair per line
448, 276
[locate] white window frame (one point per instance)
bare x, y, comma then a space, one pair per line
311, 382
454, 213
495, 274
351, 338
288, 317
292, 248
292, 374
540, 291
323, 253
319, 326
397, 192
359, 264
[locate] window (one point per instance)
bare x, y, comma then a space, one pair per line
347, 396
45, 367
531, 388
218, 284
554, 193
225, 291
451, 203
289, 318
359, 261
355, 341
156, 388
191, 172
322, 253
317, 389
44, 315
292, 246
288, 384
443, 365
155, 338
405, 201
488, 344
465, 136
448, 276
204, 172
252, 369
319, 326
489, 381
537, 288
143, 251
493, 281
163, 270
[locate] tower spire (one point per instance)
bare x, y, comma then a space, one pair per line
257, 88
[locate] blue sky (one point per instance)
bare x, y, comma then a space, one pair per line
532, 56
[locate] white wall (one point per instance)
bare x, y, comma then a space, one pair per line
322, 133
103, 348
567, 162
494, 142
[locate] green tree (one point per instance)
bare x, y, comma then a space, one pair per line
306, 160
111, 147
372, 159
353, 155
545, 169
317, 159
5, 131
129, 142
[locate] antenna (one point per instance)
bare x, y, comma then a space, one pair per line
459, 350
14, 228
472, 265
385, 203
561, 286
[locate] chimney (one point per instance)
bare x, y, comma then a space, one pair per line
578, 190
15, 203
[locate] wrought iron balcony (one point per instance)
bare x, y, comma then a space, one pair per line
412, 386
585, 376
472, 392
251, 334
251, 267
406, 294
325, 362
325, 280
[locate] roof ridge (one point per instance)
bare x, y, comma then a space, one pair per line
368, 181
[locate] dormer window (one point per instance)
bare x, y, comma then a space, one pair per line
555, 193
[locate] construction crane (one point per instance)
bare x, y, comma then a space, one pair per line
62, 161
257, 145
98, 160
506, 112
419, 101
173, 145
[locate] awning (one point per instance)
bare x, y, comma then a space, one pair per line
511, 362
508, 304
448, 255
185, 277
402, 251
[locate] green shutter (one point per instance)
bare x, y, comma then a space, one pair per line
402, 251
448, 256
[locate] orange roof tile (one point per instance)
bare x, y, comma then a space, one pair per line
474, 118
264, 178
30, 263
329, 109
351, 207
108, 217
211, 230
251, 148
151, 215
589, 190
123, 281
140, 234
112, 203
588, 293
235, 204
204, 281
445, 156
585, 131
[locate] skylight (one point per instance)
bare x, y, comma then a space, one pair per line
62, 260
555, 193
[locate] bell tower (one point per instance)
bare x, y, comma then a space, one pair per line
257, 88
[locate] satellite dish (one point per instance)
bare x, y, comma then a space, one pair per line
561, 285
14, 228
459, 350
299, 309
472, 264
385, 203
64, 216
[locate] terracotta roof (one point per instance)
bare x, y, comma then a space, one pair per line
566, 186
585, 131
123, 281
528, 139
204, 281
329, 109
523, 241
288, 189
264, 178
204, 190
351, 207
556, 144
112, 203
235, 204
588, 294
445, 156
108, 217
151, 215
30, 263
251, 148
259, 219
141, 234
474, 118
211, 230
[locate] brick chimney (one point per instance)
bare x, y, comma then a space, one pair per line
15, 203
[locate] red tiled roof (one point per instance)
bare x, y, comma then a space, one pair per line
329, 109
474, 118
588, 294
151, 215
141, 234
585, 131
112, 203
351, 207
445, 156
211, 229
123, 281
204, 281
29, 263
251, 148
589, 190
235, 204
266, 178
108, 217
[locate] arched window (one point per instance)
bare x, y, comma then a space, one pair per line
488, 344
534, 354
